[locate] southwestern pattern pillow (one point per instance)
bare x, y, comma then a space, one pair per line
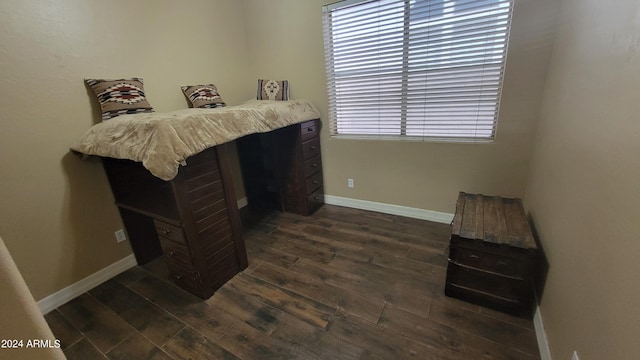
273, 90
203, 96
120, 96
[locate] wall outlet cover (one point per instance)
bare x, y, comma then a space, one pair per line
120, 235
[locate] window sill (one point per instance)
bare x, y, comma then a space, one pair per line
414, 139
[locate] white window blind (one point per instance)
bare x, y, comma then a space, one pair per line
416, 69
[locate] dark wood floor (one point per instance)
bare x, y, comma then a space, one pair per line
341, 284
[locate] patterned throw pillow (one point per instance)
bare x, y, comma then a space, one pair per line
273, 90
203, 96
120, 96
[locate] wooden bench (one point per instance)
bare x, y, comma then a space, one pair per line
493, 256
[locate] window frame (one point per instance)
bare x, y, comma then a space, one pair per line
402, 120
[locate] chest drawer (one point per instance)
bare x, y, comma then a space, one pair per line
184, 276
313, 182
311, 148
169, 231
484, 261
308, 130
176, 253
315, 200
312, 166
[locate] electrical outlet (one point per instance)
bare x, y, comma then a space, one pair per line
120, 235
350, 183
575, 355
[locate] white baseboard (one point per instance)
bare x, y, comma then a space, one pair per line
415, 213
242, 202
72, 291
541, 335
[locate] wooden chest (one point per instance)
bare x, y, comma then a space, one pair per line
493, 256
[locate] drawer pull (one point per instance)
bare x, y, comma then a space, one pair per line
314, 165
473, 256
316, 198
179, 277
312, 147
172, 253
309, 129
165, 231
315, 182
501, 263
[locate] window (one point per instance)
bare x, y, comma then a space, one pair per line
416, 69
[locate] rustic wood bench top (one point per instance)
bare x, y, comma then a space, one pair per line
492, 219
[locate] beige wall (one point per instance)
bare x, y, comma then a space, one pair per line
285, 40
583, 190
57, 215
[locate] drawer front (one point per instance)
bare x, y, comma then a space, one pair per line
184, 277
315, 200
314, 182
489, 262
311, 148
312, 166
502, 288
176, 253
169, 231
308, 130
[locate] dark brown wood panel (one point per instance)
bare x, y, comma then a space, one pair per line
216, 237
468, 214
494, 223
197, 181
214, 205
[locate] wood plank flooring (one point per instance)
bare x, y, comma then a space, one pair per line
340, 284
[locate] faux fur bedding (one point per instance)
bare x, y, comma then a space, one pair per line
162, 141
